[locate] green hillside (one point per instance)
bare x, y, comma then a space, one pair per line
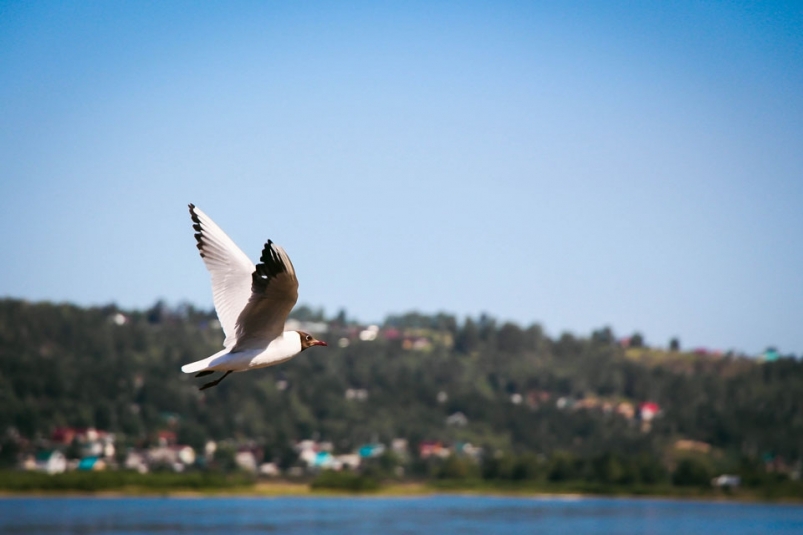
523, 394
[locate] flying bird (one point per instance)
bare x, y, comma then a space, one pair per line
252, 304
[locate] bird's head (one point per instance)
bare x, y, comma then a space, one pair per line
307, 340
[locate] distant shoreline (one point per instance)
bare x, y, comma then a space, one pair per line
397, 490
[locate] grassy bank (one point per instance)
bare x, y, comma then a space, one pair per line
15, 481
330, 483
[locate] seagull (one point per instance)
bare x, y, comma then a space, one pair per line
252, 304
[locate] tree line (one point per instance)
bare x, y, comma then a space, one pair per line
119, 370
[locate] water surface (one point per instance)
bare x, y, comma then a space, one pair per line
465, 515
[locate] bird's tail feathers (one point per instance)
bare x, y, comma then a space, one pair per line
203, 364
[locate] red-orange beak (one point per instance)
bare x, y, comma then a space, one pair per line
319, 343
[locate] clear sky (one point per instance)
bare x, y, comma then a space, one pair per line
631, 164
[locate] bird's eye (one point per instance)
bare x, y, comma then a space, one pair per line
309, 338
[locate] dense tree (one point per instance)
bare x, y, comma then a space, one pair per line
637, 340
692, 472
119, 370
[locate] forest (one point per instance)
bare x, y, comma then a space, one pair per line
530, 406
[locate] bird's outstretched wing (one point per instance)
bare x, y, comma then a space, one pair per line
230, 269
274, 292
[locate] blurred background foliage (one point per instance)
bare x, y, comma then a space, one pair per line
62, 365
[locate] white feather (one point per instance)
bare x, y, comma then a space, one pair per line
230, 270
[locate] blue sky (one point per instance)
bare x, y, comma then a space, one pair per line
631, 164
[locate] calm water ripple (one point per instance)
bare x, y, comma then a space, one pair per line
465, 515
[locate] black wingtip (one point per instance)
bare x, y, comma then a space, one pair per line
270, 265
196, 225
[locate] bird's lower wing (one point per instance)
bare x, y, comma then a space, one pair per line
274, 292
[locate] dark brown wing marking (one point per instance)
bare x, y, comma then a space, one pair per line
274, 292
270, 266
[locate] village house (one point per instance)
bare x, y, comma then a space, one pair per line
367, 451
246, 461
176, 457
457, 419
726, 481
50, 462
427, 449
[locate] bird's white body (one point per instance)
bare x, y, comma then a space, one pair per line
280, 349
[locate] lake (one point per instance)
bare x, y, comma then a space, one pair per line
486, 515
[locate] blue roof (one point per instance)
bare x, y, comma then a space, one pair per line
771, 354
322, 458
87, 463
368, 450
